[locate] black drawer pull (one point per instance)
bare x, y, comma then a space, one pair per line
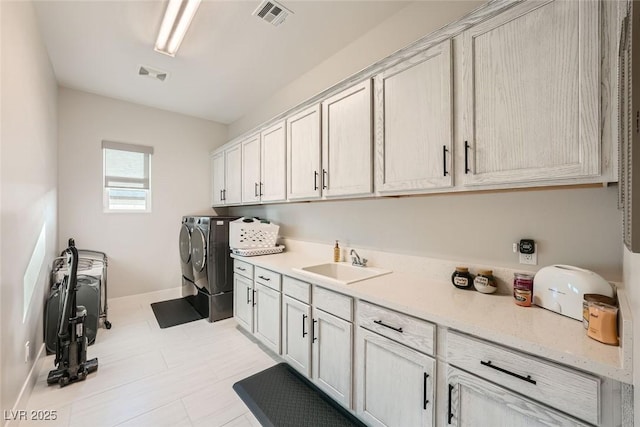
241, 268
379, 322
424, 391
313, 331
304, 334
444, 160
449, 413
466, 157
513, 374
264, 278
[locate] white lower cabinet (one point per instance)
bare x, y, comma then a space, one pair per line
395, 384
332, 355
266, 316
243, 301
473, 401
296, 334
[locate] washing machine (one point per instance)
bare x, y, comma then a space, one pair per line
212, 267
186, 228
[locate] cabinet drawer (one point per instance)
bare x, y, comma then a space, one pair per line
243, 268
296, 289
573, 392
333, 302
268, 278
412, 332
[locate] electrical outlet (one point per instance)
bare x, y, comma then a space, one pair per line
27, 352
530, 259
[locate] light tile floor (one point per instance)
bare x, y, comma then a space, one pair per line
147, 376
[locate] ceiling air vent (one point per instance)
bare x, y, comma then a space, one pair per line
152, 73
272, 12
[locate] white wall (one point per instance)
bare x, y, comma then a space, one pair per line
142, 247
28, 187
404, 27
571, 226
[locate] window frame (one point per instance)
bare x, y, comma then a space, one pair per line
133, 148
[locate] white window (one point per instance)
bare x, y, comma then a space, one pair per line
127, 177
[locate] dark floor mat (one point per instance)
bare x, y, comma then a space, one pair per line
280, 397
174, 312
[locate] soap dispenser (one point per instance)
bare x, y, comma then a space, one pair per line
336, 253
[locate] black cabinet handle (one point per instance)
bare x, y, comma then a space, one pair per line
254, 297
449, 413
324, 179
466, 157
264, 278
513, 374
224, 194
255, 189
444, 160
221, 196
379, 322
248, 297
242, 269
424, 391
315, 180
304, 334
313, 331
261, 189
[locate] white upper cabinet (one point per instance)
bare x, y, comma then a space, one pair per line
217, 179
347, 142
531, 94
413, 122
272, 186
303, 154
251, 169
233, 175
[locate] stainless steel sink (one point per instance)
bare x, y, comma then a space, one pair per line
341, 272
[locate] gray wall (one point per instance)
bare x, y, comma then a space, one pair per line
579, 226
28, 186
142, 249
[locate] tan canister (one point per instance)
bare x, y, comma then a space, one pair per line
603, 323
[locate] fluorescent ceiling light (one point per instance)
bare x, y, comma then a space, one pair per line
175, 24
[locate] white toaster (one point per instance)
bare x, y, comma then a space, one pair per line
561, 288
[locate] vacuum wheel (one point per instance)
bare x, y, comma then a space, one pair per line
107, 324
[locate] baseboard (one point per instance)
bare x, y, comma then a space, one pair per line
27, 387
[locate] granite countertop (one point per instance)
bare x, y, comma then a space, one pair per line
493, 317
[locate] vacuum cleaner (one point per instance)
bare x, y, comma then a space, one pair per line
71, 353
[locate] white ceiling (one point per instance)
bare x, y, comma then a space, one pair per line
229, 61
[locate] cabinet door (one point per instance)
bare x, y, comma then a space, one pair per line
233, 175
347, 143
395, 383
531, 94
296, 334
251, 170
414, 123
266, 316
475, 402
243, 302
303, 154
273, 167
332, 356
217, 179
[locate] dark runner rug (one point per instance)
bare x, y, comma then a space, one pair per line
174, 312
282, 397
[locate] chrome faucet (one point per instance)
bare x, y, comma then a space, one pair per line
355, 259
